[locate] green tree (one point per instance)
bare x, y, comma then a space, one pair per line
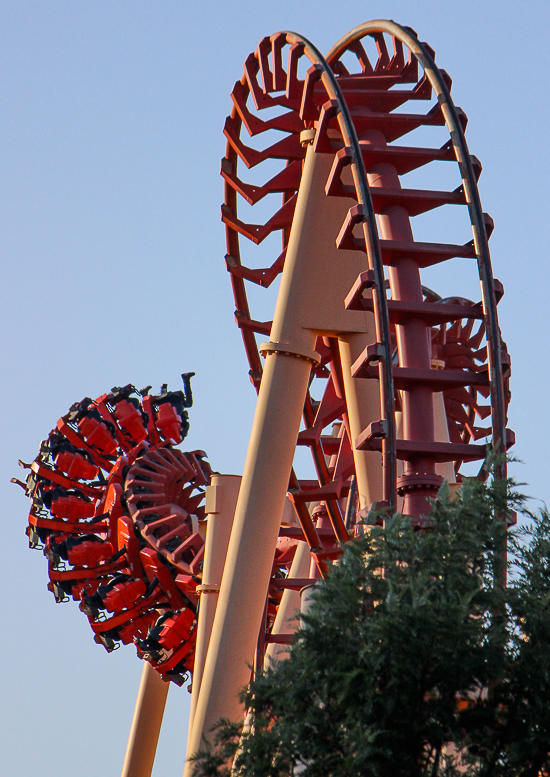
414, 660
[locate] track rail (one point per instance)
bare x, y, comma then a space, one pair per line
333, 485
338, 111
440, 83
319, 141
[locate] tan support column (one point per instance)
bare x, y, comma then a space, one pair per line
306, 597
315, 281
146, 724
267, 469
363, 403
221, 499
445, 469
250, 554
287, 621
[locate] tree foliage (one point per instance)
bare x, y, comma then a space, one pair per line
414, 660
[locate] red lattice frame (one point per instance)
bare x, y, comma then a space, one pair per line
332, 101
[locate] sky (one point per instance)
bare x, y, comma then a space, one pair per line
112, 271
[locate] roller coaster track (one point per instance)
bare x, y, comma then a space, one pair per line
353, 116
439, 366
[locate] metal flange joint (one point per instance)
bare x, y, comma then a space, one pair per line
285, 349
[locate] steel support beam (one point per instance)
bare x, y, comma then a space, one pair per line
315, 281
146, 724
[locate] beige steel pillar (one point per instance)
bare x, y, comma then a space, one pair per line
221, 499
250, 554
445, 469
286, 621
315, 281
146, 724
363, 403
307, 595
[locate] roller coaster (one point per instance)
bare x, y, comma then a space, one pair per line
391, 388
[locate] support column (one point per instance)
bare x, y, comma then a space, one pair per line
419, 481
315, 280
263, 489
287, 619
146, 724
250, 554
221, 500
363, 404
446, 469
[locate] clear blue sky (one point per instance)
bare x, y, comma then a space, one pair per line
112, 272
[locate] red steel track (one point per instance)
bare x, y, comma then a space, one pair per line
423, 344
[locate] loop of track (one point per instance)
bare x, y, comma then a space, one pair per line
482, 225
357, 116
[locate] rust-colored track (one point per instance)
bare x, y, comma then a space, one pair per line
357, 107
